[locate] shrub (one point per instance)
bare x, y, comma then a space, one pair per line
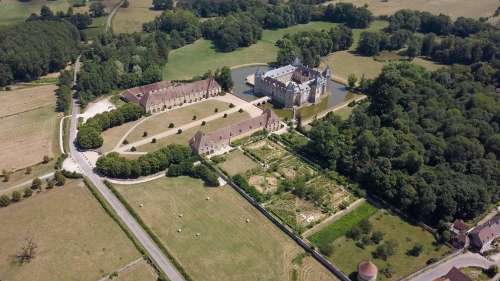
16, 196
28, 170
133, 149
145, 134
153, 140
240, 110
354, 233
416, 250
179, 131
225, 115
240, 181
4, 201
377, 237
231, 105
194, 117
46, 159
50, 184
203, 123
492, 271
28, 192
365, 226
125, 142
171, 125
36, 184
216, 110
326, 249
59, 178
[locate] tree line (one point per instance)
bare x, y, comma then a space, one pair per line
178, 159
89, 134
428, 143
309, 46
32, 49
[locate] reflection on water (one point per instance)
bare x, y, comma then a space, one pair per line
338, 92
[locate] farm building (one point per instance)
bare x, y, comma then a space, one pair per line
219, 140
166, 94
482, 236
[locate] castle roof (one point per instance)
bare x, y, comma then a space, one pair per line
158, 92
367, 269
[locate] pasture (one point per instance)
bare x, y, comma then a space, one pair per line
184, 137
138, 272
129, 20
15, 11
453, 8
201, 56
222, 244
28, 126
347, 253
159, 122
74, 235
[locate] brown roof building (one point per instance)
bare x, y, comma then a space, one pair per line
165, 94
454, 275
459, 226
213, 142
482, 236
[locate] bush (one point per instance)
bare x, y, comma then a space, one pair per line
416, 250
377, 237
153, 140
171, 125
179, 131
365, 226
50, 184
354, 233
240, 110
194, 117
216, 110
326, 249
240, 181
36, 184
203, 123
231, 105
133, 149
4, 201
225, 115
125, 142
27, 192
145, 134
492, 271
46, 159
16, 196
59, 178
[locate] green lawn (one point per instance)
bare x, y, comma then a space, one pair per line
96, 28
199, 57
346, 253
14, 11
338, 228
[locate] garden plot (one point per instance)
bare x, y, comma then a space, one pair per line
339, 197
291, 167
266, 151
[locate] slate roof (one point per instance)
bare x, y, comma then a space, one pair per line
487, 231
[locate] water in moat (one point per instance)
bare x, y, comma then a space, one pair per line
338, 92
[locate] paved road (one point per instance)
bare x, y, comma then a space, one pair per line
26, 183
462, 260
140, 234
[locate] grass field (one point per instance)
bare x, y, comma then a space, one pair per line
20, 176
453, 8
139, 272
197, 58
113, 136
346, 254
184, 137
76, 238
237, 163
128, 20
160, 122
15, 11
28, 126
227, 247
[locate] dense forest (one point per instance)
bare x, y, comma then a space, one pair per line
32, 49
121, 61
428, 143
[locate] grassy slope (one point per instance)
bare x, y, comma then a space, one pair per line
128, 20
227, 248
197, 58
75, 237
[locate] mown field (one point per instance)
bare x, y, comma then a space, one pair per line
128, 20
28, 126
139, 272
215, 241
159, 122
15, 11
199, 57
236, 162
184, 137
76, 238
347, 253
453, 8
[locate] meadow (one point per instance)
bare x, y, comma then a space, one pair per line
201, 56
128, 20
29, 124
227, 238
453, 8
236, 162
94, 245
347, 253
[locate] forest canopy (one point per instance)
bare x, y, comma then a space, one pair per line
32, 49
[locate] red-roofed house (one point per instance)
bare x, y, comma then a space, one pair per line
454, 275
165, 94
219, 140
482, 236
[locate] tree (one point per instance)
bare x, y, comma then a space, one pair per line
28, 171
194, 117
326, 249
16, 196
6, 175
216, 110
46, 159
4, 201
225, 115
416, 250
27, 252
50, 184
163, 4
171, 125
179, 131
354, 233
96, 9
203, 123
6, 76
369, 43
365, 226
153, 140
144, 134
224, 78
36, 184
125, 4
351, 80
377, 237
59, 178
